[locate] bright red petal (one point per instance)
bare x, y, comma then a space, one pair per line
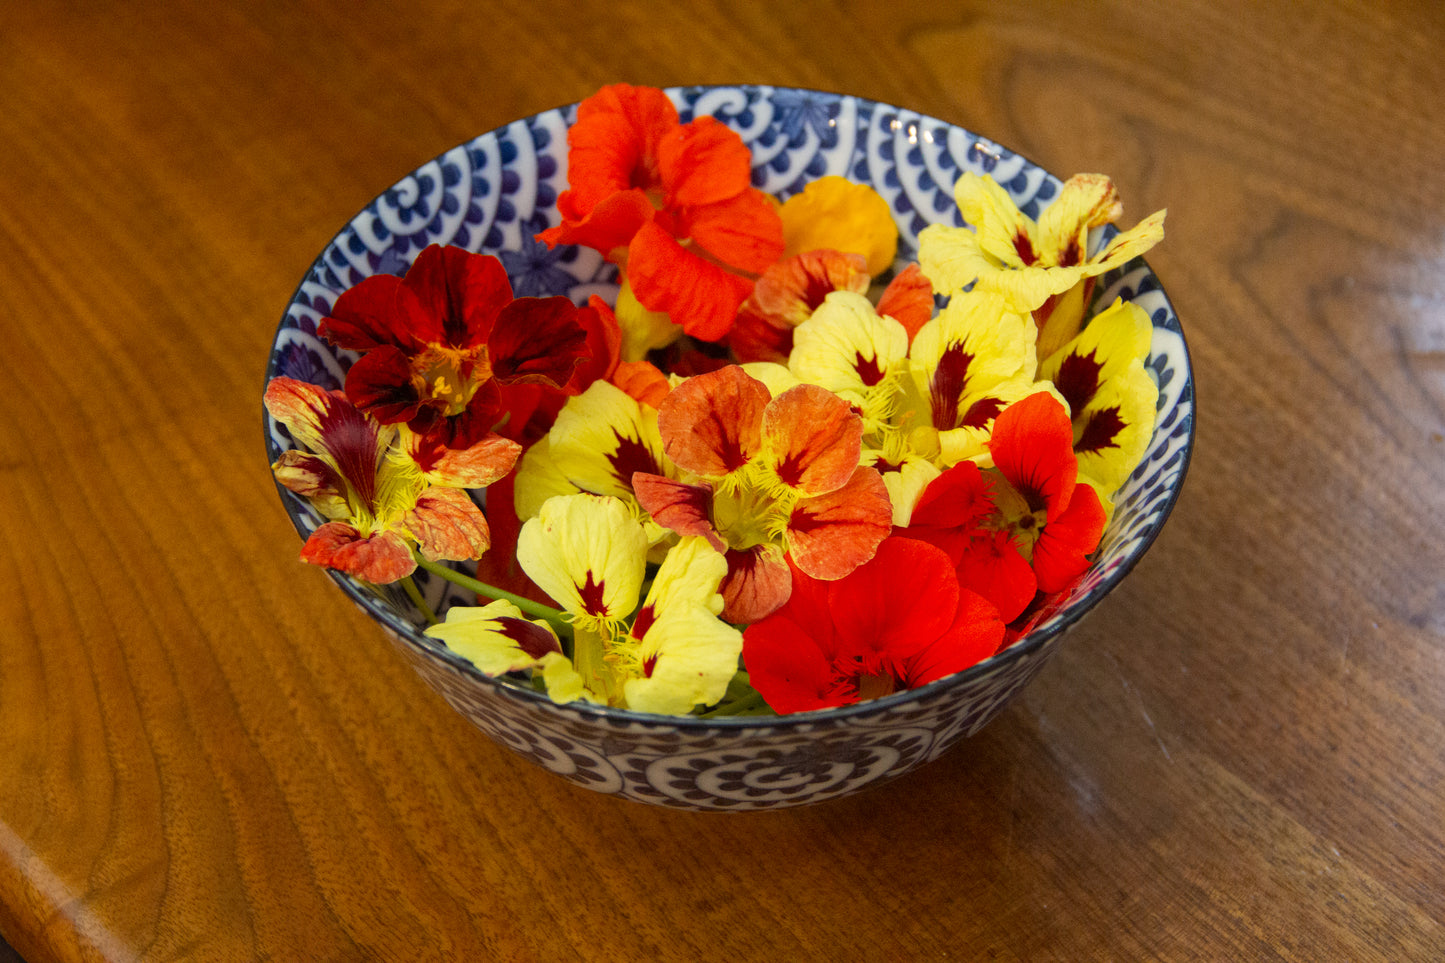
992, 566
976, 634
788, 669
1061, 553
743, 232
1033, 445
831, 535
897, 603
704, 162
711, 425
608, 226
614, 144
958, 498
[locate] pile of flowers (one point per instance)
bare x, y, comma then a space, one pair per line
776, 475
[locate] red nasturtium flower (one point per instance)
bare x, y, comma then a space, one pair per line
672, 203
442, 346
1053, 517
896, 622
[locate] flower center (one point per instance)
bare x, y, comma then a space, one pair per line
445, 379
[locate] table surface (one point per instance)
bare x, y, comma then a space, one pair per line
207, 753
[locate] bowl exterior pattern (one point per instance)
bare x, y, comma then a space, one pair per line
491, 195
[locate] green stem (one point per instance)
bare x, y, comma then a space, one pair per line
414, 594
534, 609
750, 703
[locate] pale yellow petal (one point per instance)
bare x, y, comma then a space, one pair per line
642, 330
691, 656
588, 553
480, 634
602, 436
847, 347
539, 479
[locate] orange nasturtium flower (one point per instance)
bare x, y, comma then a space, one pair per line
767, 476
671, 203
377, 499
1044, 266
897, 622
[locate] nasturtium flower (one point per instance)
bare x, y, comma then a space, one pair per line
1055, 519
498, 639
672, 203
589, 554
833, 213
441, 347
896, 622
1112, 398
786, 295
859, 355
1044, 267
765, 475
971, 361
377, 501
677, 654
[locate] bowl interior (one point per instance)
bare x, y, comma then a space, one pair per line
493, 193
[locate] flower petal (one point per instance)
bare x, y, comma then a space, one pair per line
477, 466
538, 340
976, 634
812, 439
496, 638
458, 293
758, 583
602, 437
833, 213
677, 506
448, 525
698, 295
789, 669
1032, 445
895, 604
831, 535
711, 424
847, 347
379, 559
992, 566
908, 299
1061, 553
588, 553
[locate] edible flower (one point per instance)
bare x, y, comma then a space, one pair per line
671, 203
441, 346
376, 499
1041, 266
897, 622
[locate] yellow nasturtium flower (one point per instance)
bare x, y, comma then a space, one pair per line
1112, 398
497, 639
1040, 266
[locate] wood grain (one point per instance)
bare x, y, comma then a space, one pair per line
206, 753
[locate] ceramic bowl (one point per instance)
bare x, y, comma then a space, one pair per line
491, 195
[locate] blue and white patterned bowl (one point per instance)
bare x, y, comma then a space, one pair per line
491, 195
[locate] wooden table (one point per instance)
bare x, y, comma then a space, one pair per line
207, 754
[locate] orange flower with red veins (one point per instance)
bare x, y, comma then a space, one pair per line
441, 347
897, 622
787, 295
1055, 520
766, 476
672, 203
377, 501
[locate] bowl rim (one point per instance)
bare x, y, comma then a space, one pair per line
809, 719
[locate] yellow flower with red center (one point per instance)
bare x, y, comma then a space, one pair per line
1041, 266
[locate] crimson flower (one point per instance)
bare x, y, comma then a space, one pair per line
898, 621
442, 347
